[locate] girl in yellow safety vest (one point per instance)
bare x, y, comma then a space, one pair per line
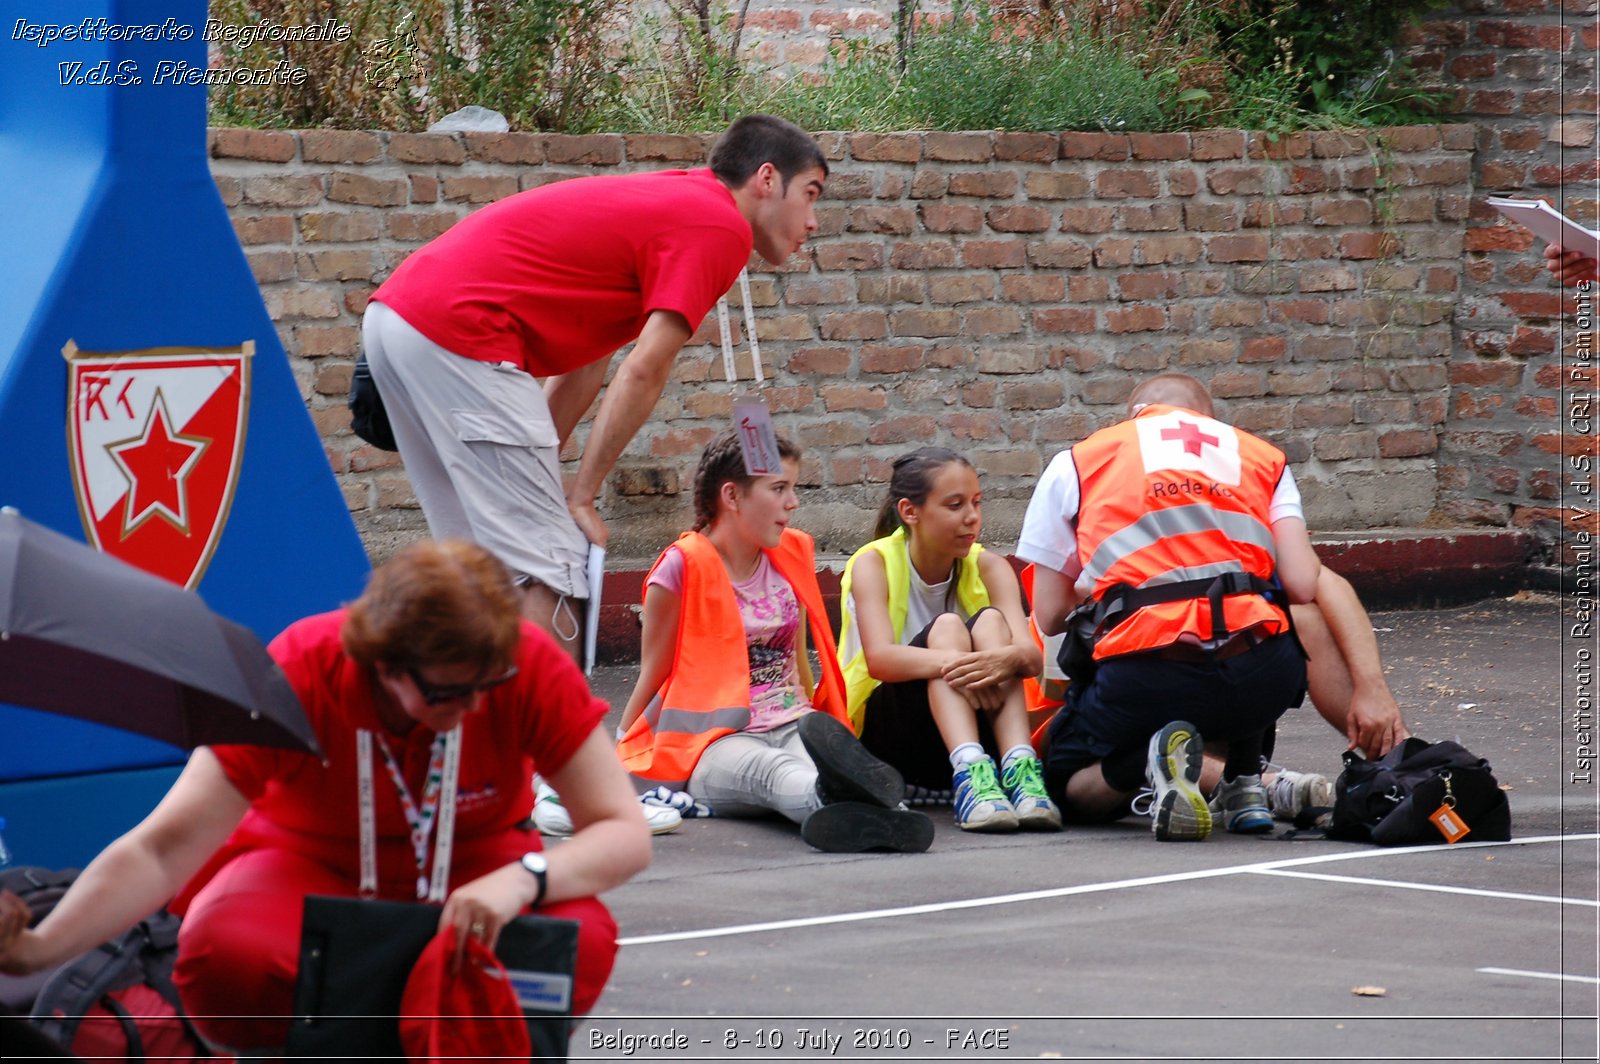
935, 646
726, 706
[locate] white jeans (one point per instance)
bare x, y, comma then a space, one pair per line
751, 773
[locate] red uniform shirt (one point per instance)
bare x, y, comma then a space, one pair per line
303, 804
561, 276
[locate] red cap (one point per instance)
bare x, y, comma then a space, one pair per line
471, 1013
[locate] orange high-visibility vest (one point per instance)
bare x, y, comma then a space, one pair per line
707, 692
1170, 496
1037, 694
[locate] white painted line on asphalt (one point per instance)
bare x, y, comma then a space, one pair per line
1540, 975
1437, 888
1084, 888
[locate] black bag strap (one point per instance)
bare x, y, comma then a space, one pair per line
1122, 600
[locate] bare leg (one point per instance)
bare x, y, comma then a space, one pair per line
989, 632
1091, 798
561, 619
953, 715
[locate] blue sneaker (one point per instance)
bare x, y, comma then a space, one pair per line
980, 803
1242, 806
1023, 779
1178, 810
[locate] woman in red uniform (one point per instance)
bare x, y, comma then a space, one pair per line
431, 668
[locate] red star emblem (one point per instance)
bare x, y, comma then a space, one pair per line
1193, 439
157, 465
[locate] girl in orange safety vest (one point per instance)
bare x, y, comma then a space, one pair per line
935, 647
725, 706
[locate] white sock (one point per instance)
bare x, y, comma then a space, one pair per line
1016, 752
966, 753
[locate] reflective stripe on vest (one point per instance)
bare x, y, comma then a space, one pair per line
972, 595
706, 694
1159, 508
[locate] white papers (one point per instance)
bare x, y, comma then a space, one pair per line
591, 620
1545, 221
758, 441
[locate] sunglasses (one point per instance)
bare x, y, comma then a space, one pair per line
433, 694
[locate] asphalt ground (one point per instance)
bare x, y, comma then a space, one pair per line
739, 942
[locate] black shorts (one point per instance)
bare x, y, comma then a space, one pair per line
898, 727
1133, 697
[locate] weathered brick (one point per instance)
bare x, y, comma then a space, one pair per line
961, 288
1210, 217
852, 255
923, 255
663, 148
1119, 183
337, 265
1213, 144
885, 147
1065, 320
816, 291
592, 149
1237, 249
1055, 185
1009, 361
259, 145
836, 397
1135, 319
1323, 413
417, 226
928, 184
1163, 146
339, 146
1147, 284
1059, 254
478, 189
925, 323
1114, 252
1159, 217
993, 321
435, 148
1026, 147
1108, 147
1238, 181
1088, 288
264, 228
270, 266
1033, 395
884, 220
994, 254
338, 226
855, 325
901, 430
1207, 352
823, 361
958, 147
424, 188
1086, 219
514, 149
345, 187
286, 190
1018, 219
323, 341
1033, 288
986, 184
951, 218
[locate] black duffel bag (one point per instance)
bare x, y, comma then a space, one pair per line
1419, 793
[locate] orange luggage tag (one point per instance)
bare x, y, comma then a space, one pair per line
1445, 818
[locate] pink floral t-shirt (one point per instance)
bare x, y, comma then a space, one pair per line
771, 616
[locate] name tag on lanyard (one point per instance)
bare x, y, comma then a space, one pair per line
752, 420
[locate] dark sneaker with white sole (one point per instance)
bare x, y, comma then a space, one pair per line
846, 771
857, 827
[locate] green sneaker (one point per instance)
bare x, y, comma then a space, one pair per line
1023, 779
980, 803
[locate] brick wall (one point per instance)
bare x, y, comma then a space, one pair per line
1524, 75
997, 293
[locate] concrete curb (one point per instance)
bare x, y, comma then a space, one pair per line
1388, 568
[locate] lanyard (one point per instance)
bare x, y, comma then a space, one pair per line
749, 331
435, 816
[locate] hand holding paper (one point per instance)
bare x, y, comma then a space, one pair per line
1545, 221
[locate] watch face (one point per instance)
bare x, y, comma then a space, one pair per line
534, 862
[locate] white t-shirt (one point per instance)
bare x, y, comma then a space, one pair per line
924, 602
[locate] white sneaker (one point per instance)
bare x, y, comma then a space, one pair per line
552, 818
1291, 792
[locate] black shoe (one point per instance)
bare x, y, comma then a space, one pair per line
856, 827
846, 771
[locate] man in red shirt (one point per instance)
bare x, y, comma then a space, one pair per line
548, 284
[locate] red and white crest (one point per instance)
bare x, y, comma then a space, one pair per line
156, 438
1179, 440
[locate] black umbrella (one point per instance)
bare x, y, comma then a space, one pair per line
85, 635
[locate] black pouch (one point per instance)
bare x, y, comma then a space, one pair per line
1076, 656
1417, 794
368, 418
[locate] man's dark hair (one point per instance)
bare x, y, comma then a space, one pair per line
757, 139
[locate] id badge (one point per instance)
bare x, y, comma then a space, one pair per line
758, 442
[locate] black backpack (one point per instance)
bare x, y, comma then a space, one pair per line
369, 418
1397, 799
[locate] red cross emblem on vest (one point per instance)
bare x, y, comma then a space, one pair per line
1193, 439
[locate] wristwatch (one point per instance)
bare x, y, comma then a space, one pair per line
538, 867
